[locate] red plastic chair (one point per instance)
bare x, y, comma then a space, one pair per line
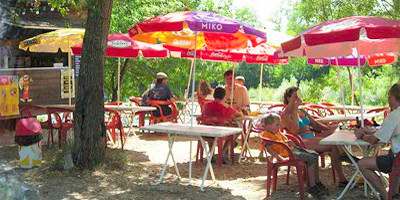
302, 144
378, 110
322, 111
203, 102
164, 118
63, 124
142, 115
113, 123
326, 104
278, 107
395, 173
341, 111
215, 121
115, 103
272, 168
34, 110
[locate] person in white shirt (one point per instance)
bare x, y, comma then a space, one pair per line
388, 133
240, 80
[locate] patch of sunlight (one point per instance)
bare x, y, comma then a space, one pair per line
116, 191
104, 184
98, 173
75, 195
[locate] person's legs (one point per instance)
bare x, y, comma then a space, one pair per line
316, 169
312, 174
228, 144
336, 164
368, 166
313, 144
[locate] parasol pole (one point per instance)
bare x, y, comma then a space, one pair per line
119, 79
187, 92
261, 78
190, 78
233, 84
351, 86
341, 86
360, 82
193, 78
69, 75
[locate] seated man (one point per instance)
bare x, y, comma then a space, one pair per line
218, 108
241, 100
388, 133
161, 91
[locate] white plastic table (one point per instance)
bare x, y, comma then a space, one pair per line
262, 104
346, 139
130, 111
123, 109
347, 117
350, 109
197, 131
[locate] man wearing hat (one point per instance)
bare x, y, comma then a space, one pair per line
240, 80
161, 91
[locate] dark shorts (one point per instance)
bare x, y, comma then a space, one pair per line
384, 162
165, 109
309, 156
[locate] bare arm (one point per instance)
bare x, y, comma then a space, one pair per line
370, 138
314, 124
291, 123
274, 153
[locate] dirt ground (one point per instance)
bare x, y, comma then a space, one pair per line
129, 174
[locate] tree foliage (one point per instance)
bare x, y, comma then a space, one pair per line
140, 72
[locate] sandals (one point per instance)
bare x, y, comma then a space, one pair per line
322, 188
315, 192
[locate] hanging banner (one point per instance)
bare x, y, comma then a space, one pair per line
65, 86
9, 95
77, 65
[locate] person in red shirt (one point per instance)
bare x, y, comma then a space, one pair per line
218, 108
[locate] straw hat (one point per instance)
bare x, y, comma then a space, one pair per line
240, 78
161, 75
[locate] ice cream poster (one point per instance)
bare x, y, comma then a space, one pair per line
66, 83
9, 95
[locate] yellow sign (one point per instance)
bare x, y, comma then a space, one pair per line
9, 96
65, 86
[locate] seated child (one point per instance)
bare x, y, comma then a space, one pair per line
271, 125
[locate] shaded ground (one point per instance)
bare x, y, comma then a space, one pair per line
128, 174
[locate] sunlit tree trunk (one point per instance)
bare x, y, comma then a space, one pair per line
89, 144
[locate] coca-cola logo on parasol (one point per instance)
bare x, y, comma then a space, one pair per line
119, 43
261, 58
217, 55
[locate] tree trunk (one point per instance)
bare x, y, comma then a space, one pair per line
353, 95
123, 71
90, 134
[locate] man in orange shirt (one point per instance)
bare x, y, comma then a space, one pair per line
271, 125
